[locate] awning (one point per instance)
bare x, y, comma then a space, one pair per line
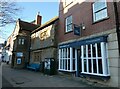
84, 42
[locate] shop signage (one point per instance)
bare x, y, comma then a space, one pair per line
84, 42
77, 30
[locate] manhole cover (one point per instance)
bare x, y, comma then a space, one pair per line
19, 80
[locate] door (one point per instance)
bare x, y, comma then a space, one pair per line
79, 61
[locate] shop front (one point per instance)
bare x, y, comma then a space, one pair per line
85, 57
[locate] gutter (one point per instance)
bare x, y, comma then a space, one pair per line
117, 24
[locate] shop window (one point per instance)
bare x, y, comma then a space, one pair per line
92, 62
99, 10
67, 60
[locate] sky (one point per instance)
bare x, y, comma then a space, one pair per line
48, 10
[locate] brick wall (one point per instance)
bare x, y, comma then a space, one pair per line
82, 13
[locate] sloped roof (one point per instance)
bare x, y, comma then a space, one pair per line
46, 24
27, 26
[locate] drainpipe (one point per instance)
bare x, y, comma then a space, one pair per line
117, 24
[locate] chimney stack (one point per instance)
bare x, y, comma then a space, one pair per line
38, 19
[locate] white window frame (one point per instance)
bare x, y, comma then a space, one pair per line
68, 23
21, 41
65, 61
99, 14
105, 69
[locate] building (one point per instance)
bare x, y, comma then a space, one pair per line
88, 40
44, 42
21, 42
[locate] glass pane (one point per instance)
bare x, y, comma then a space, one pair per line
22, 41
94, 51
63, 64
68, 52
89, 64
89, 51
68, 64
65, 53
84, 51
85, 65
73, 64
101, 14
73, 52
60, 64
99, 50
94, 66
100, 66
99, 5
19, 41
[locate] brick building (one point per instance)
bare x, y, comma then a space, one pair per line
88, 40
21, 42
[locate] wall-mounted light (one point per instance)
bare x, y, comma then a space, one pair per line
82, 26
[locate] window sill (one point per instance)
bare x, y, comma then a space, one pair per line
68, 32
96, 76
62, 70
94, 22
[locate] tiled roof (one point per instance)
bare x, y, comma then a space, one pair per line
27, 26
46, 24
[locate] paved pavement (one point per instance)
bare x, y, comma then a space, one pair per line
26, 78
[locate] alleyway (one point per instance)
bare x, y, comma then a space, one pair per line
27, 78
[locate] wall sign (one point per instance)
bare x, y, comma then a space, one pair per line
18, 60
77, 30
84, 42
19, 54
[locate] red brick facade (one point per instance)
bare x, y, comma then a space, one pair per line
82, 13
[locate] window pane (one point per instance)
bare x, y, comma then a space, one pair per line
101, 14
19, 41
89, 64
89, 51
68, 52
84, 51
22, 41
60, 64
63, 63
94, 66
68, 64
73, 52
100, 66
85, 65
99, 5
94, 51
73, 64
99, 50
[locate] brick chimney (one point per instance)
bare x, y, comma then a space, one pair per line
38, 19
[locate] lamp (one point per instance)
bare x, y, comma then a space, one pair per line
82, 26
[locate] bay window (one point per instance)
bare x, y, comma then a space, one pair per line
67, 59
94, 59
